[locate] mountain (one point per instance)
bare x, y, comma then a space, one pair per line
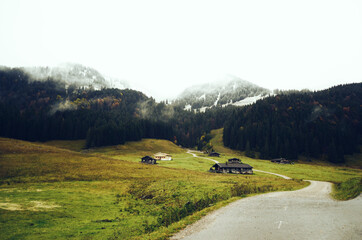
76, 75
231, 90
48, 109
324, 125
41, 110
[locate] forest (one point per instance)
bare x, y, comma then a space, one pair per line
324, 124
48, 110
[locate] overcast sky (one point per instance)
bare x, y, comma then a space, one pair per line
165, 46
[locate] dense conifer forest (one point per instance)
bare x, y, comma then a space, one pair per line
324, 124
47, 110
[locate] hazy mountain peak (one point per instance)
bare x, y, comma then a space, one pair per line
77, 74
224, 91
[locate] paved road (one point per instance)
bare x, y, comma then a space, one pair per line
308, 213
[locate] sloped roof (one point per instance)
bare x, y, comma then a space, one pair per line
233, 165
278, 159
214, 153
234, 159
160, 154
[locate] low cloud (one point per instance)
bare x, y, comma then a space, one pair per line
319, 111
157, 111
63, 106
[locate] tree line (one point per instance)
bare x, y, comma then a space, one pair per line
47, 110
324, 124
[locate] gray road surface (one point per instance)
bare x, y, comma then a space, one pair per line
276, 174
192, 152
308, 213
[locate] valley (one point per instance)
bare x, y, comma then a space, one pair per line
57, 190
159, 120
71, 146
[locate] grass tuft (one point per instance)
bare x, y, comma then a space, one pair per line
348, 189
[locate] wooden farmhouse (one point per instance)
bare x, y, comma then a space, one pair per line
214, 154
233, 165
148, 160
163, 156
234, 160
281, 161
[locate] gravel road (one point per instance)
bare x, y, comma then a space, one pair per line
192, 152
276, 174
309, 213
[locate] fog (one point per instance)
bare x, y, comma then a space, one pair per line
162, 47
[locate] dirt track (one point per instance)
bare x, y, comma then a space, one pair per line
308, 213
192, 152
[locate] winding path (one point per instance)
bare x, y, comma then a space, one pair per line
309, 213
193, 153
276, 174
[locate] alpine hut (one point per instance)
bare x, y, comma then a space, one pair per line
214, 154
148, 160
233, 165
163, 156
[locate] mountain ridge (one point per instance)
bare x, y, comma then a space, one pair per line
75, 74
224, 92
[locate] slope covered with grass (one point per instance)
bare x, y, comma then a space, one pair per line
316, 170
48, 192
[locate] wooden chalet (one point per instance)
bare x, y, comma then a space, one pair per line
234, 160
163, 156
233, 165
214, 154
148, 160
281, 161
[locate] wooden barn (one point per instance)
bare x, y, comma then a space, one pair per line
214, 154
148, 160
233, 165
281, 161
234, 160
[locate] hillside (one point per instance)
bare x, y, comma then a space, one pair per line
36, 110
347, 177
53, 193
231, 90
324, 125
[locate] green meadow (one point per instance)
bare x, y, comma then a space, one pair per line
340, 175
58, 190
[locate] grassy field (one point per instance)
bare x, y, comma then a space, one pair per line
316, 170
59, 191
76, 145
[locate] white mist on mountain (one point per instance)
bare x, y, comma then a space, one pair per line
75, 74
229, 90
